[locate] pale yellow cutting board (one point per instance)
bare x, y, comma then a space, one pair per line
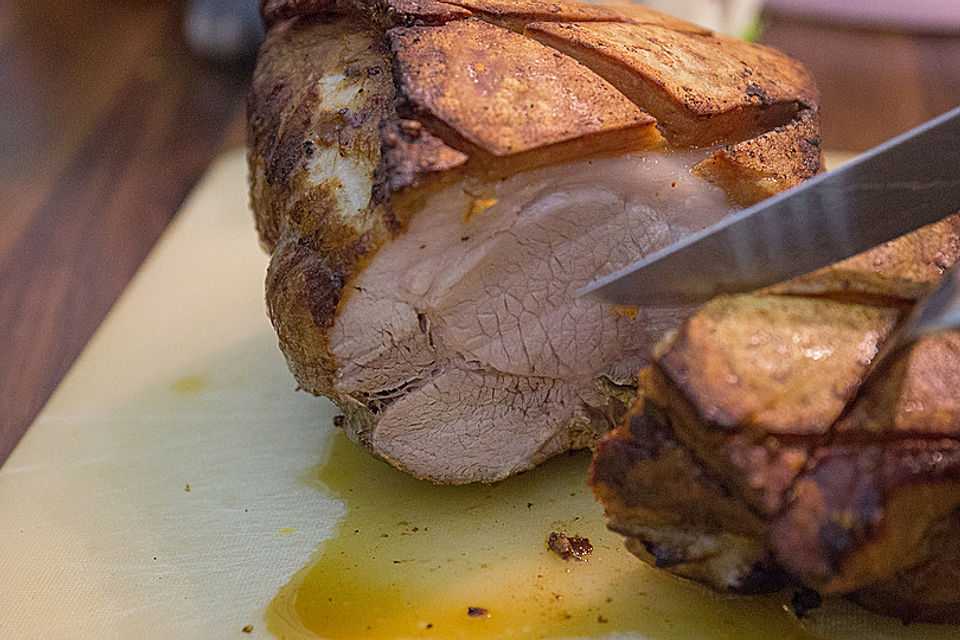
184, 385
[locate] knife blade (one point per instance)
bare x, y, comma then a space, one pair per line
937, 311
893, 189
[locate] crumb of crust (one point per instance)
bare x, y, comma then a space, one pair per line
187, 488
247, 629
621, 310
569, 547
804, 601
477, 612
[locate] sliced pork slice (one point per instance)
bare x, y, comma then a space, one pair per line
436, 180
797, 473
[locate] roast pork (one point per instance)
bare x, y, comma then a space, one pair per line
436, 180
784, 467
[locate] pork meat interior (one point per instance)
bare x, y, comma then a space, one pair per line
436, 180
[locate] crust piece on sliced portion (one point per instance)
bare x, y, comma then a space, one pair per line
703, 88
847, 489
436, 180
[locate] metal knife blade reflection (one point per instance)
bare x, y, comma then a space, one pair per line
906, 183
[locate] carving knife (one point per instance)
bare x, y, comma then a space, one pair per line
906, 183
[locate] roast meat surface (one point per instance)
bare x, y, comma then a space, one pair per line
436, 180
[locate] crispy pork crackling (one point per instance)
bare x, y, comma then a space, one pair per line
786, 470
435, 180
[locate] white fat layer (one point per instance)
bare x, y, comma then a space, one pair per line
351, 176
490, 288
345, 163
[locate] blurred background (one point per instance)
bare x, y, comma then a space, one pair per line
111, 110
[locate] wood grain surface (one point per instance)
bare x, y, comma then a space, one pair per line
106, 122
873, 84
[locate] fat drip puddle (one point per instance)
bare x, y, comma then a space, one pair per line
409, 558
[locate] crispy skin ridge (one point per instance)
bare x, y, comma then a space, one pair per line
517, 15
704, 89
775, 161
512, 15
895, 273
504, 93
381, 13
410, 95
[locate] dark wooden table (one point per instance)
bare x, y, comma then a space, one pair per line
107, 121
